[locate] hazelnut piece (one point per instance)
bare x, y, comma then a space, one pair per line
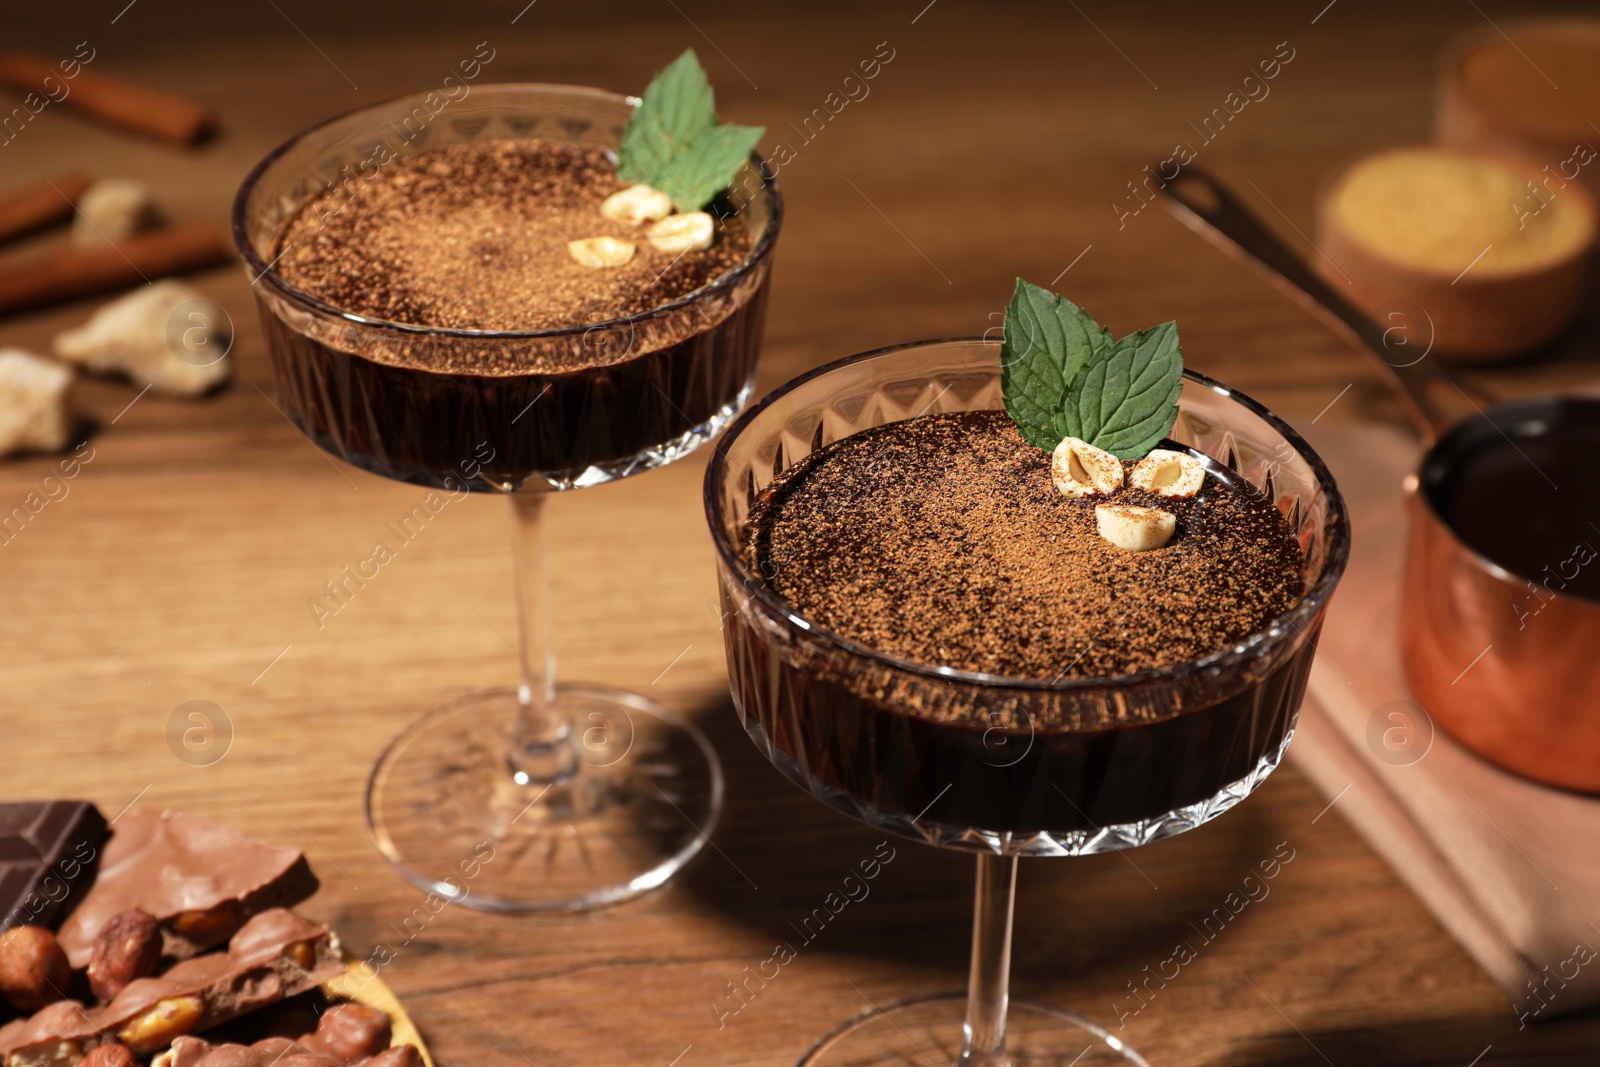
33, 969
112, 1055
127, 947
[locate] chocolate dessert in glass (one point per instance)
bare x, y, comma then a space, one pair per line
947, 629
530, 289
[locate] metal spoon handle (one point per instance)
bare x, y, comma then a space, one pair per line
1428, 389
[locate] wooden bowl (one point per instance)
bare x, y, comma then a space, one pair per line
1495, 95
1478, 312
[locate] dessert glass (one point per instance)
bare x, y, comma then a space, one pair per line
584, 794
1027, 767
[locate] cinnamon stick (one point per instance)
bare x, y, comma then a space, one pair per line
112, 100
40, 205
76, 272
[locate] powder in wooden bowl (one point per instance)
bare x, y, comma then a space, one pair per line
1437, 210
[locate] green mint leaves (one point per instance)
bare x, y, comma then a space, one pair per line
1048, 343
673, 143
1063, 376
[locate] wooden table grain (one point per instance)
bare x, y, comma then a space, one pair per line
998, 140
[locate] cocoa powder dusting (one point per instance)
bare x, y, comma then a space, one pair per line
474, 236
941, 540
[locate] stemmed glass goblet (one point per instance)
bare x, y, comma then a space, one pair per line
1006, 767
579, 795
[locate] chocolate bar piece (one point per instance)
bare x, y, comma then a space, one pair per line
347, 1035
276, 1052
202, 882
273, 956
48, 850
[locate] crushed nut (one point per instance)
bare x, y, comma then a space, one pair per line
52, 1054
165, 335
599, 252
111, 209
1134, 528
33, 403
1080, 469
1169, 474
208, 923
157, 1026
301, 954
675, 234
185, 1052
636, 204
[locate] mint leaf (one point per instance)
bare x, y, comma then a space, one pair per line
1063, 376
709, 164
672, 141
677, 107
1127, 401
1048, 342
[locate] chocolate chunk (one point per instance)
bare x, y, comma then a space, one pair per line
276, 955
63, 1021
399, 1056
274, 1047
239, 1056
48, 849
200, 880
350, 1033
275, 1052
308, 1059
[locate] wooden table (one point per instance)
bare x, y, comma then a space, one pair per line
994, 143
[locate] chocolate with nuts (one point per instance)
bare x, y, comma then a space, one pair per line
350, 1033
275, 955
278, 1052
346, 1035
201, 881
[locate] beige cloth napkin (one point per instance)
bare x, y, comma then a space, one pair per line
1510, 868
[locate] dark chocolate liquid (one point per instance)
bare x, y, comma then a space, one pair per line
872, 759
818, 717
1523, 490
487, 432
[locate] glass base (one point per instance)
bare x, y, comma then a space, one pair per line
444, 806
927, 1031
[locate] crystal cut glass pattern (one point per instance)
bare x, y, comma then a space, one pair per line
1004, 765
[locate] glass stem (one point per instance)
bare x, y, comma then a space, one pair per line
541, 751
988, 986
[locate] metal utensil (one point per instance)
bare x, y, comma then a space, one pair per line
1508, 664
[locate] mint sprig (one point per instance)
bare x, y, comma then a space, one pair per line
672, 141
1062, 375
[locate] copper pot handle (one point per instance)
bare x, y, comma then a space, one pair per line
1431, 393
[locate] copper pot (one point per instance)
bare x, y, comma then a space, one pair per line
1508, 666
